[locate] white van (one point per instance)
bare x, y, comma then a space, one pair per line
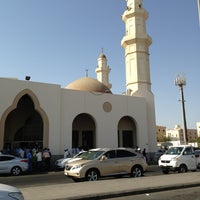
178, 158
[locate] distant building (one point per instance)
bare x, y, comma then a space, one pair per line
192, 135
161, 130
177, 134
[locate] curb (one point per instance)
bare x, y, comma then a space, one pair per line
132, 192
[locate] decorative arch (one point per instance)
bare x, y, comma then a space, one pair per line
127, 132
38, 110
83, 132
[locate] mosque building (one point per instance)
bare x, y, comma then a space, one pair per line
86, 113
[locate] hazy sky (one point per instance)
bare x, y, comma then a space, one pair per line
55, 41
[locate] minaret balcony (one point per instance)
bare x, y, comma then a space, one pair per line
128, 40
129, 14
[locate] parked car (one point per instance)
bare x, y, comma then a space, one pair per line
60, 163
103, 162
197, 155
8, 192
178, 158
13, 165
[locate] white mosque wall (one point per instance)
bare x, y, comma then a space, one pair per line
63, 105
77, 102
49, 99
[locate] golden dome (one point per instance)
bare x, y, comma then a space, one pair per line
88, 84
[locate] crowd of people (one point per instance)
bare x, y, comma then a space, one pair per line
38, 159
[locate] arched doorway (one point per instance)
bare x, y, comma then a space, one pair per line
23, 125
127, 136
83, 132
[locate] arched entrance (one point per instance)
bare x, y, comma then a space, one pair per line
24, 123
23, 126
83, 132
127, 136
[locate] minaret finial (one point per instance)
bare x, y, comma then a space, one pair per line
86, 72
101, 50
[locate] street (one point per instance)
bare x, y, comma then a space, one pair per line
35, 179
53, 177
56, 181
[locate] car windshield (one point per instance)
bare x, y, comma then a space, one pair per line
174, 150
91, 155
79, 154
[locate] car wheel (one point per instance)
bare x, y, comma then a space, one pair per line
92, 175
182, 169
15, 171
136, 171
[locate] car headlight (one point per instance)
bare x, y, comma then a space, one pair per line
76, 167
174, 159
16, 195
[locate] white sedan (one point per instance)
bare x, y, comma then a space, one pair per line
8, 192
13, 165
60, 163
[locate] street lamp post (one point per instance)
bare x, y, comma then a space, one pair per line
181, 81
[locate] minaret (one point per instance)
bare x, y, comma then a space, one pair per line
136, 43
103, 70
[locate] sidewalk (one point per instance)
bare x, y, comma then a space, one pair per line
112, 187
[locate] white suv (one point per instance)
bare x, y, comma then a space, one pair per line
178, 158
